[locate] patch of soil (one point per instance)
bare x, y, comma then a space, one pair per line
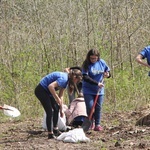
119, 133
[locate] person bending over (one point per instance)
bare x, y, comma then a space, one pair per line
46, 92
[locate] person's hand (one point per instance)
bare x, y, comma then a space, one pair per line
67, 70
100, 84
61, 114
61, 111
106, 74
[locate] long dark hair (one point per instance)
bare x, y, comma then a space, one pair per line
87, 60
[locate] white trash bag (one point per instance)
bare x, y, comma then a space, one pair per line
61, 121
10, 111
73, 136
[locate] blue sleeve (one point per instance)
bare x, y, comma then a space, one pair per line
106, 68
145, 52
61, 82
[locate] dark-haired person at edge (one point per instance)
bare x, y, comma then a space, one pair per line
51, 100
94, 69
144, 54
75, 93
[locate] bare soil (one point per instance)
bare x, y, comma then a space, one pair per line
120, 133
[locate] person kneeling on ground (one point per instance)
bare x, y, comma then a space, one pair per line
77, 111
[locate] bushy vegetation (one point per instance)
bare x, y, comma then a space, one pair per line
38, 37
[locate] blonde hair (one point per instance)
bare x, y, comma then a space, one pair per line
74, 73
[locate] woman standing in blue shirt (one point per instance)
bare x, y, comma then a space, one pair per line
50, 100
94, 70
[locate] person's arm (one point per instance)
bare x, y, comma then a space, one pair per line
51, 88
139, 59
67, 70
91, 81
61, 92
58, 98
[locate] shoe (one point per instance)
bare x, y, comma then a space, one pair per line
51, 136
56, 132
98, 128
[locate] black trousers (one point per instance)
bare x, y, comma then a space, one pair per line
50, 106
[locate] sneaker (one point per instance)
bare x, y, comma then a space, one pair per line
56, 132
51, 136
98, 128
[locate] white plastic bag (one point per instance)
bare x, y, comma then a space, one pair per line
73, 136
11, 111
61, 122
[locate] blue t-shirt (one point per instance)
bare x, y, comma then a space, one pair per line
60, 77
146, 54
95, 72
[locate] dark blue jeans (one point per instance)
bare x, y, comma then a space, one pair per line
89, 101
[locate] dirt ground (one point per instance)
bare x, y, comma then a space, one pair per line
119, 133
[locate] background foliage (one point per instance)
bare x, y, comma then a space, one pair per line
41, 36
